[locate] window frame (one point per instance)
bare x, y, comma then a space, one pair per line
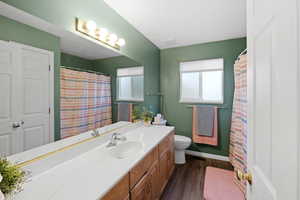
117, 86
200, 100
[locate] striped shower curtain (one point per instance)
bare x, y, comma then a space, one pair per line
238, 134
85, 101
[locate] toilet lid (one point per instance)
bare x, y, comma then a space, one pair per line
180, 138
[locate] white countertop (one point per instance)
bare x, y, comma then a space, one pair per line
87, 171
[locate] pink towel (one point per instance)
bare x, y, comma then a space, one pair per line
219, 185
205, 139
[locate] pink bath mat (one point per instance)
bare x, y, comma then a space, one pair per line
219, 185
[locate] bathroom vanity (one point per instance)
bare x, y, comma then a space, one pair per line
148, 178
93, 170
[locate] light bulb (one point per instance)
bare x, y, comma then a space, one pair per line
91, 26
113, 38
121, 42
103, 34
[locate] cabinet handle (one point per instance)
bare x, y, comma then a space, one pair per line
148, 188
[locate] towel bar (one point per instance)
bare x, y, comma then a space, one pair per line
223, 107
126, 102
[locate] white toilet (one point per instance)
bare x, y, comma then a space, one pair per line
181, 143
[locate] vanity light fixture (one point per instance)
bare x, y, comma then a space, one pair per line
90, 29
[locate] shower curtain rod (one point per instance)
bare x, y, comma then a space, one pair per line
242, 53
85, 70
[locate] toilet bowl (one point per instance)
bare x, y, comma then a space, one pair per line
181, 143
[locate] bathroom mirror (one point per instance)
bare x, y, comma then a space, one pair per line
57, 85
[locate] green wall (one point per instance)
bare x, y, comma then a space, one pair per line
21, 33
63, 14
177, 113
68, 60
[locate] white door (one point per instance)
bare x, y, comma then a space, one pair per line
273, 89
8, 95
31, 99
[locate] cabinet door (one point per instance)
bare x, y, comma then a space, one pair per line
164, 145
155, 181
172, 154
172, 160
119, 191
169, 164
163, 170
127, 198
142, 190
142, 167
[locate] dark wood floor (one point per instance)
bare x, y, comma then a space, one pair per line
187, 180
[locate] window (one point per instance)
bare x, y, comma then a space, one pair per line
201, 81
130, 84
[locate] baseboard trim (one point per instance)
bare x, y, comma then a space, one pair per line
207, 155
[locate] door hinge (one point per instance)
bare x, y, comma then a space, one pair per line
49, 68
49, 110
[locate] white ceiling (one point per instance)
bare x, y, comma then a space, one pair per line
70, 42
172, 23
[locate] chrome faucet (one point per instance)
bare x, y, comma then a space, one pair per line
95, 133
115, 138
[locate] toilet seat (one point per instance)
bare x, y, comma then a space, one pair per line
182, 139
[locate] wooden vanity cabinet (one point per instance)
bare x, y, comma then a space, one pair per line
147, 179
119, 191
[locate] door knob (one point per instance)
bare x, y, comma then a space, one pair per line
16, 125
244, 176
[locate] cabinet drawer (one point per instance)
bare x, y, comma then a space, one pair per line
165, 144
119, 191
142, 167
142, 190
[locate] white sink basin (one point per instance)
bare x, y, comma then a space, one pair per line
126, 149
